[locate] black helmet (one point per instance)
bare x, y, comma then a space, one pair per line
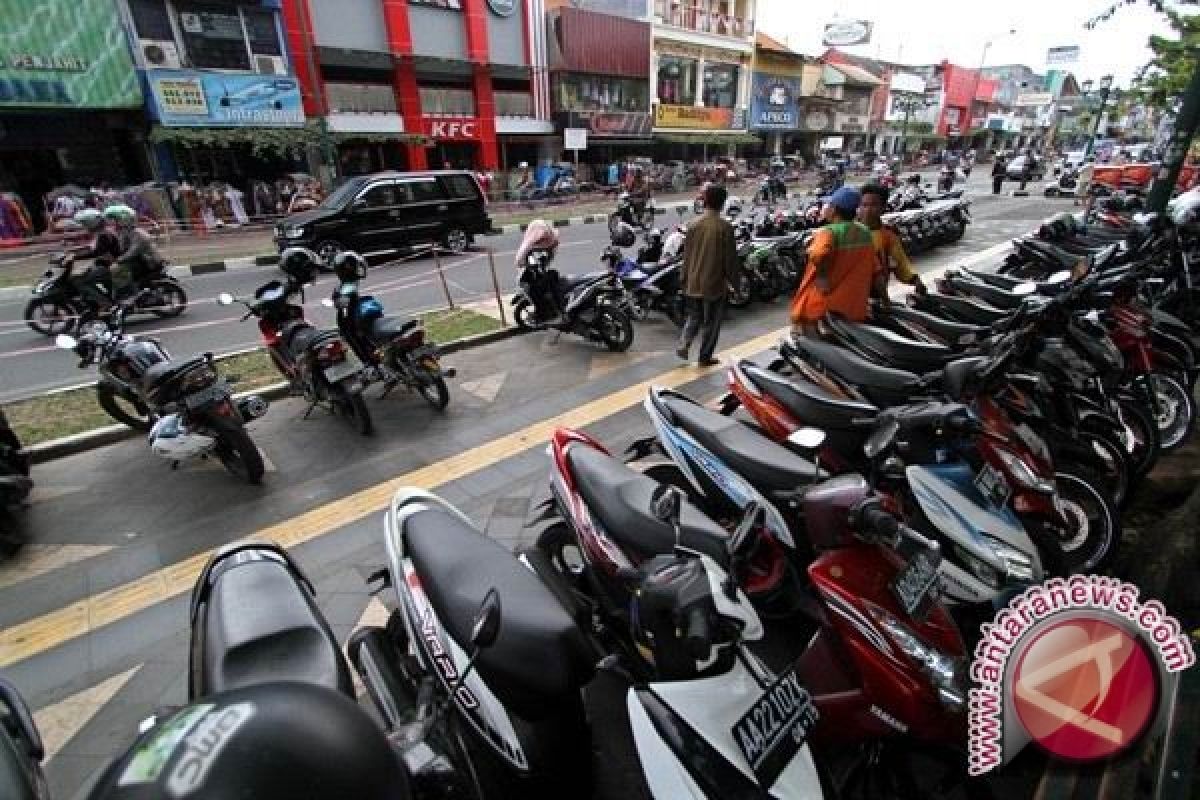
299, 263
654, 236
349, 266
273, 741
623, 235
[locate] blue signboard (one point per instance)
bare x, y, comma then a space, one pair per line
775, 102
188, 98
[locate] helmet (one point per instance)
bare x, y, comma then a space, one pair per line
121, 215
733, 206
299, 263
89, 219
170, 438
654, 236
349, 266
269, 742
623, 235
369, 308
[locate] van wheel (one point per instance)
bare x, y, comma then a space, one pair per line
456, 240
328, 250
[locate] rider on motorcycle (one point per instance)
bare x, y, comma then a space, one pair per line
103, 250
534, 273
138, 260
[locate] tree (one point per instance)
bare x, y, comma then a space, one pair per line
1161, 82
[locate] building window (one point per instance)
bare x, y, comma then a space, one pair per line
602, 93
260, 31
151, 20
677, 80
361, 98
454, 5
720, 85
513, 104
445, 101
213, 36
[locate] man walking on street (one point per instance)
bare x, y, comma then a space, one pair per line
888, 247
842, 266
709, 266
999, 168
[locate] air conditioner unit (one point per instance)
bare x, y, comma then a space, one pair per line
159, 54
270, 65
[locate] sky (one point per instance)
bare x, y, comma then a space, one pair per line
925, 32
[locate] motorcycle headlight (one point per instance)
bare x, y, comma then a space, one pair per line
1018, 566
293, 232
947, 673
1023, 474
978, 567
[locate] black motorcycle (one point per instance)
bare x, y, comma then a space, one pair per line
190, 404
633, 211
15, 485
393, 348
595, 306
63, 300
319, 365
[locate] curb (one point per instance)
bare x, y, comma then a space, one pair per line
111, 434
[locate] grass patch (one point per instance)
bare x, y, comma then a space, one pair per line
52, 416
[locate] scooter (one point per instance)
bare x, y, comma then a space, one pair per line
15, 486
21, 749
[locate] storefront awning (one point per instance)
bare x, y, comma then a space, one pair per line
386, 136
736, 137
278, 140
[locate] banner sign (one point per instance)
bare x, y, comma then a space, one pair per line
774, 105
630, 124
1063, 55
65, 54
187, 98
669, 116
846, 33
1034, 99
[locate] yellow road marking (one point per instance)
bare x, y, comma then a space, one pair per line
84, 616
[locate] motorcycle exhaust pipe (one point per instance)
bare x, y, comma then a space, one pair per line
372, 656
252, 407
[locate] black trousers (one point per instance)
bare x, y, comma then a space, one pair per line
703, 314
997, 181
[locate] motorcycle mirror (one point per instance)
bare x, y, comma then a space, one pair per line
881, 438
666, 504
1024, 289
65, 341
486, 626
1062, 276
328, 303
807, 438
224, 299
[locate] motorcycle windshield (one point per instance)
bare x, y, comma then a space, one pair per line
950, 499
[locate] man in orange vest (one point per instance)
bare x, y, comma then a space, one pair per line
842, 264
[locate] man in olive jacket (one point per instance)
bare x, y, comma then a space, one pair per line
709, 266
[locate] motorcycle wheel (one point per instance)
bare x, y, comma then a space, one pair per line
351, 407
173, 299
640, 306
897, 769
1143, 446
1176, 415
739, 295
525, 315
115, 406
615, 329
1094, 531
1108, 469
51, 317
433, 388
238, 453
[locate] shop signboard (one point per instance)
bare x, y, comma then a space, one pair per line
847, 33
65, 54
774, 103
451, 129
575, 138
601, 124
692, 117
187, 98
1068, 54
1031, 99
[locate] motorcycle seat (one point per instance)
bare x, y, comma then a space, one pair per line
757, 459
620, 497
568, 282
950, 331
974, 312
893, 349
261, 626
306, 337
849, 366
540, 656
992, 295
993, 278
386, 328
958, 373
157, 375
812, 404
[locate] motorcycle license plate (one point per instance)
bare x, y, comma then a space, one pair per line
343, 370
993, 485
42, 287
916, 580
772, 731
206, 397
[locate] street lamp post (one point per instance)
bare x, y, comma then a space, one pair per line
978, 77
1106, 83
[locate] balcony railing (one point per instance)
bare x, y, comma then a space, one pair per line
514, 104
361, 98
701, 18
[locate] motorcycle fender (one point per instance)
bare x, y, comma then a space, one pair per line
683, 734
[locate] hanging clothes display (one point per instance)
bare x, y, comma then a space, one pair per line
234, 198
15, 222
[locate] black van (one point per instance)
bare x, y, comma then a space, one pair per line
389, 211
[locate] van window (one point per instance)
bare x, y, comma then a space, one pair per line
460, 186
423, 191
381, 195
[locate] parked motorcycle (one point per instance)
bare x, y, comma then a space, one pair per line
319, 365
594, 306
394, 349
63, 300
21, 749
190, 405
15, 486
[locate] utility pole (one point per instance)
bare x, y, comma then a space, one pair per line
1186, 125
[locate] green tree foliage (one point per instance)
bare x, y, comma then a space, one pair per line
1161, 82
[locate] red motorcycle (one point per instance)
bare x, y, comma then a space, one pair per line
886, 662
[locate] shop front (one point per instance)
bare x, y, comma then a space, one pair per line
71, 111
775, 111
699, 109
452, 142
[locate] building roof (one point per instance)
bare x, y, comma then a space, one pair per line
857, 75
764, 42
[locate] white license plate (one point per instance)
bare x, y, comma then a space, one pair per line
343, 370
993, 485
916, 580
773, 730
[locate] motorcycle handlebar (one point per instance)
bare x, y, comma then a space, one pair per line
871, 518
696, 634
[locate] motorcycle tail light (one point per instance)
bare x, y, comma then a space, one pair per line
413, 340
331, 353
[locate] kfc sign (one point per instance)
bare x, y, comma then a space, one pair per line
453, 129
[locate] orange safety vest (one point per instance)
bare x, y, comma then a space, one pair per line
847, 252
